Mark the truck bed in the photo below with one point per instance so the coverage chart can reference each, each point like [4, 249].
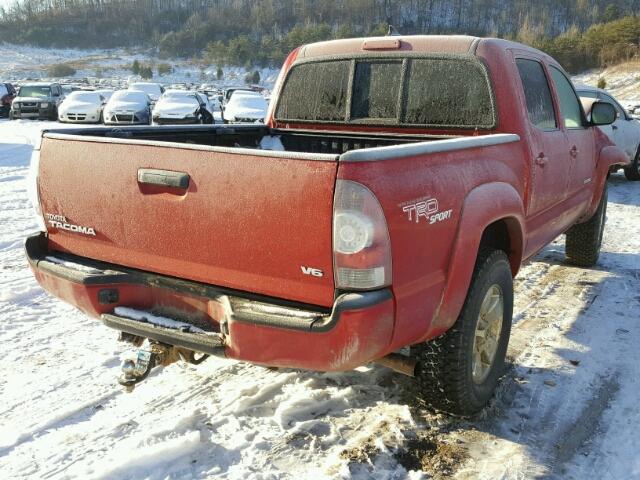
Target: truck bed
[249, 136]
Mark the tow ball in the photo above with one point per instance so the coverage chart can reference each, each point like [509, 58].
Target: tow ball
[150, 356]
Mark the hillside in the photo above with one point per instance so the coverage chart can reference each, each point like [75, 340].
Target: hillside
[262, 32]
[623, 80]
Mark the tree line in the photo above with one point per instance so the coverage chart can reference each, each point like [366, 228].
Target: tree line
[581, 33]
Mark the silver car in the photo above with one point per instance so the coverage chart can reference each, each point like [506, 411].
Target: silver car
[128, 107]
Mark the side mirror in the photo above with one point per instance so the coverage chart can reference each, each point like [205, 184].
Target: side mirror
[602, 113]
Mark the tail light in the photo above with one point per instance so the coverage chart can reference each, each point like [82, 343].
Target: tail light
[32, 188]
[361, 246]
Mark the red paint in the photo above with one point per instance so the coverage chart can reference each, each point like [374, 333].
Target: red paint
[249, 222]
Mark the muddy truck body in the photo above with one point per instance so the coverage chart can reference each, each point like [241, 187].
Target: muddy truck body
[392, 195]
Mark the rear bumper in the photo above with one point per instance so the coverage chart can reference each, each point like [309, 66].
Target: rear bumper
[357, 330]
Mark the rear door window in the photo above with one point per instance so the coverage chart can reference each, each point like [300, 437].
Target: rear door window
[537, 94]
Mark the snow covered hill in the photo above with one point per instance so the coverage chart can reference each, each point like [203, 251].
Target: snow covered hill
[32, 62]
[623, 80]
[567, 407]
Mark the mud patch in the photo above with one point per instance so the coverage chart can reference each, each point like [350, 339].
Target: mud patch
[430, 454]
[364, 453]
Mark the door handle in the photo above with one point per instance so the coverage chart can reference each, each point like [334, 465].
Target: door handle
[574, 151]
[614, 127]
[541, 160]
[163, 178]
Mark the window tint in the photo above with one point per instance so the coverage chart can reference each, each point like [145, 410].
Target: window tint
[444, 92]
[537, 94]
[569, 103]
[375, 90]
[316, 91]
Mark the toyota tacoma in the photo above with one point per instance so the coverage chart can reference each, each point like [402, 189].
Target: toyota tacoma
[379, 215]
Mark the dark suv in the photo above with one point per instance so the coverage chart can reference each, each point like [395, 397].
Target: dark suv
[37, 100]
[7, 94]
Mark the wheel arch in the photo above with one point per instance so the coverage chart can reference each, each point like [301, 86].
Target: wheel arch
[493, 216]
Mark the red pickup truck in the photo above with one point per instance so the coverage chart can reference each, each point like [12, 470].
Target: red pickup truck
[390, 198]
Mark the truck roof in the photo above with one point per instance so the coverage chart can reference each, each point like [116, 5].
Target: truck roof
[439, 44]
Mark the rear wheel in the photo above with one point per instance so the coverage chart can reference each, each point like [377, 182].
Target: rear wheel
[458, 372]
[632, 172]
[583, 242]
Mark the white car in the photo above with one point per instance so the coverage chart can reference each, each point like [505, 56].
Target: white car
[245, 107]
[128, 107]
[624, 132]
[182, 107]
[81, 107]
[154, 90]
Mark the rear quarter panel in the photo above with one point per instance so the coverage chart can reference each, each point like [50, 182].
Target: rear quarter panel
[423, 248]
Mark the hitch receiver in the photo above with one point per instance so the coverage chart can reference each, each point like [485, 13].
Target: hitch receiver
[135, 371]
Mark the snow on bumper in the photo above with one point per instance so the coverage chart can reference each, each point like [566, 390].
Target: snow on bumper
[357, 330]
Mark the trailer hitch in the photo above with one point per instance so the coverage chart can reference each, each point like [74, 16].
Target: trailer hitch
[155, 354]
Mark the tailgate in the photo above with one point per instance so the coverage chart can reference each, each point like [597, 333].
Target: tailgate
[247, 220]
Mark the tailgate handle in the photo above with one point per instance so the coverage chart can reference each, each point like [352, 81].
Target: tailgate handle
[163, 178]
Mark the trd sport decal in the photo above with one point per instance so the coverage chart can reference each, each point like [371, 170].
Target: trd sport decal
[425, 209]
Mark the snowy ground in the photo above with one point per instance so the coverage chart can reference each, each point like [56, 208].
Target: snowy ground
[567, 407]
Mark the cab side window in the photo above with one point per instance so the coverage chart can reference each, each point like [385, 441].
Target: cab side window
[537, 94]
[569, 103]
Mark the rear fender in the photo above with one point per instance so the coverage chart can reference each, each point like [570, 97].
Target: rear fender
[483, 206]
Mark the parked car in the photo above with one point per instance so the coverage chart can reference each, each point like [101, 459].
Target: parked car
[182, 107]
[245, 107]
[128, 107]
[398, 199]
[624, 132]
[37, 101]
[81, 107]
[154, 90]
[7, 94]
[69, 89]
[228, 92]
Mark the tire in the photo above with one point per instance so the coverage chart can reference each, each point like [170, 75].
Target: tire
[445, 378]
[583, 241]
[632, 172]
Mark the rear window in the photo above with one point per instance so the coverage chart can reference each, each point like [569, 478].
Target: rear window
[376, 88]
[441, 92]
[316, 92]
